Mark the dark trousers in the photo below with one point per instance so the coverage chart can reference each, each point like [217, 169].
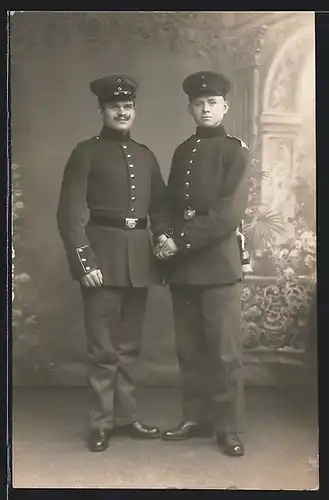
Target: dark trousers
[114, 321]
[209, 349]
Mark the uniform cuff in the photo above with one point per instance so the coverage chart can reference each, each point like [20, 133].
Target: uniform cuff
[86, 259]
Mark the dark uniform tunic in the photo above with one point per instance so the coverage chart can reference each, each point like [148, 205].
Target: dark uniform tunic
[115, 179]
[208, 191]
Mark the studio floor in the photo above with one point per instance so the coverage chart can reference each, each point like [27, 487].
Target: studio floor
[48, 448]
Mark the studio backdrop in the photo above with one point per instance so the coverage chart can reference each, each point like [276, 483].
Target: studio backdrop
[270, 59]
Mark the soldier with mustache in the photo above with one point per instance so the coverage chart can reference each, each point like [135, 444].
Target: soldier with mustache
[119, 181]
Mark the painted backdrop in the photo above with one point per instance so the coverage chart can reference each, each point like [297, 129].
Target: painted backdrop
[54, 56]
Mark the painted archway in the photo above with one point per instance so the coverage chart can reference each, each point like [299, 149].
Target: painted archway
[288, 104]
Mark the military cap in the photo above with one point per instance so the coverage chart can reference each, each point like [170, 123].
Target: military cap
[114, 87]
[206, 82]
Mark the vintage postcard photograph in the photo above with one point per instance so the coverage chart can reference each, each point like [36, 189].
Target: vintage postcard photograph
[164, 299]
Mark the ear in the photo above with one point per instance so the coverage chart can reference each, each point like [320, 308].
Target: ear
[226, 106]
[189, 108]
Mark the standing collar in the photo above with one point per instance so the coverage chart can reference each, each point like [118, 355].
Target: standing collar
[207, 132]
[114, 135]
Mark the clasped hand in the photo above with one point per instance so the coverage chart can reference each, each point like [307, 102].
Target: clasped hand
[165, 248]
[93, 279]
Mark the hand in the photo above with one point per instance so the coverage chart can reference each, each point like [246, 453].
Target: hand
[161, 241]
[166, 249]
[93, 279]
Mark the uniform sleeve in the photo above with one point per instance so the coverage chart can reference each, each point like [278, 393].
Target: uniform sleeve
[172, 170]
[172, 181]
[159, 211]
[71, 213]
[226, 213]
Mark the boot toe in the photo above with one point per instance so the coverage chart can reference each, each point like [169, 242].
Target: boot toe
[231, 444]
[187, 430]
[98, 440]
[139, 430]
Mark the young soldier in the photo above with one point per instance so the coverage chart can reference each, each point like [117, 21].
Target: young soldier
[208, 193]
[119, 181]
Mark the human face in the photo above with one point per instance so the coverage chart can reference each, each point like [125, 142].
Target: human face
[208, 110]
[119, 115]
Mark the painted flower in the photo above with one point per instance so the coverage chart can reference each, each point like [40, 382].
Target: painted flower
[22, 278]
[246, 293]
[294, 253]
[306, 237]
[298, 244]
[311, 246]
[289, 272]
[310, 261]
[283, 253]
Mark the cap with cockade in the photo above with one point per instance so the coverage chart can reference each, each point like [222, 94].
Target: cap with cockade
[114, 87]
[206, 82]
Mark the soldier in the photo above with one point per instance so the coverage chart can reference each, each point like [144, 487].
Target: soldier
[119, 181]
[208, 192]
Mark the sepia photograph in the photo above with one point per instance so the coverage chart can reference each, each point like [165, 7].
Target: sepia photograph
[164, 285]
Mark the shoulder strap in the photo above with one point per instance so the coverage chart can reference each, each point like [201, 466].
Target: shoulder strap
[242, 143]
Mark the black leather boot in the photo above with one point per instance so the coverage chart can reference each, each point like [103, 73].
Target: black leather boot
[186, 430]
[98, 439]
[231, 444]
[141, 431]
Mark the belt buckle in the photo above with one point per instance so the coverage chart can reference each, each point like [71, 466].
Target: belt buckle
[189, 213]
[131, 223]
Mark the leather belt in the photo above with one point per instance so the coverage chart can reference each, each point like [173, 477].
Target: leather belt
[126, 223]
